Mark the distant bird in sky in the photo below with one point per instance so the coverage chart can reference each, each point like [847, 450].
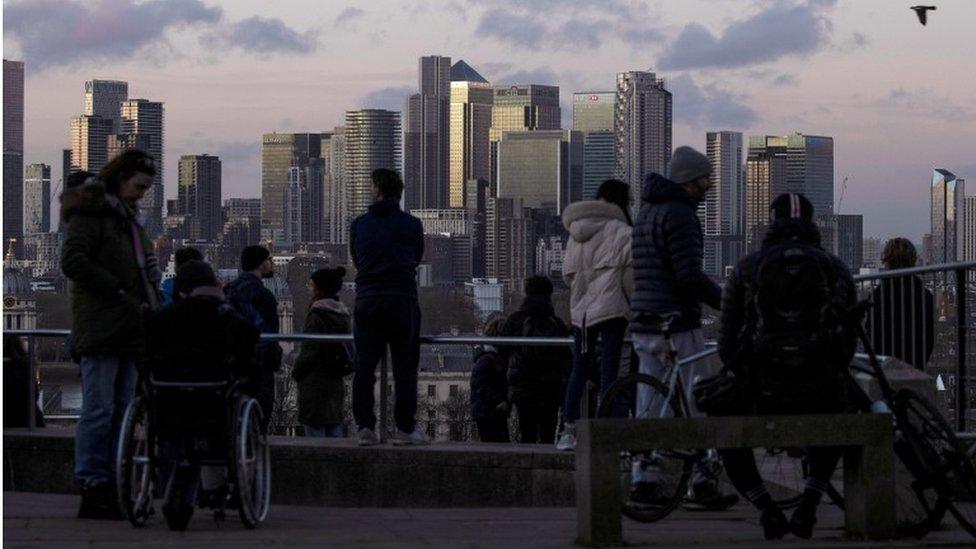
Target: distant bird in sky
[922, 12]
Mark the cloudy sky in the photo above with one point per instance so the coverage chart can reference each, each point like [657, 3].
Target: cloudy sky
[898, 98]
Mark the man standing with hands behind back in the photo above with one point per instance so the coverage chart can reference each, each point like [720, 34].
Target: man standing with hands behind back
[387, 245]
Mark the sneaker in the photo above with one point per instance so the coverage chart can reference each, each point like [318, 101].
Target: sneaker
[368, 437]
[802, 521]
[567, 440]
[774, 523]
[416, 438]
[705, 496]
[648, 493]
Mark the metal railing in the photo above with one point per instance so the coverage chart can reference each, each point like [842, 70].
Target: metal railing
[919, 316]
[958, 285]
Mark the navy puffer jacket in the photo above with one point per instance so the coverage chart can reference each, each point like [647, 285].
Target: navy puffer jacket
[667, 249]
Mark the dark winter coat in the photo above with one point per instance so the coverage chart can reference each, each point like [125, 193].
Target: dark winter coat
[667, 250]
[901, 322]
[251, 289]
[320, 366]
[489, 385]
[536, 381]
[107, 289]
[734, 344]
[387, 245]
[202, 338]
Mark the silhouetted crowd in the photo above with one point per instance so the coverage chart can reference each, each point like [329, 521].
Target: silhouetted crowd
[785, 341]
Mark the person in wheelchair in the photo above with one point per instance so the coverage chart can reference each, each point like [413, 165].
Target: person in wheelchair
[787, 337]
[201, 361]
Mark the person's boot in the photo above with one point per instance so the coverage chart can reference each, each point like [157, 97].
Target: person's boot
[100, 501]
[802, 521]
[774, 523]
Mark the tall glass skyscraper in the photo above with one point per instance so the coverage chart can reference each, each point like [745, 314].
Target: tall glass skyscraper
[470, 122]
[594, 114]
[37, 198]
[643, 127]
[426, 145]
[722, 213]
[542, 169]
[372, 142]
[527, 107]
[146, 118]
[279, 153]
[13, 153]
[779, 164]
[948, 216]
[104, 98]
[198, 194]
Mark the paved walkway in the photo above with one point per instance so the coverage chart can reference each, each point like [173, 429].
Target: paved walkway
[45, 520]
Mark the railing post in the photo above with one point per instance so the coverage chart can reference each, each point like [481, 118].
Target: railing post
[384, 397]
[961, 323]
[31, 387]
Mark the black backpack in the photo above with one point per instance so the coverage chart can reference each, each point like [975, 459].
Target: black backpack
[797, 326]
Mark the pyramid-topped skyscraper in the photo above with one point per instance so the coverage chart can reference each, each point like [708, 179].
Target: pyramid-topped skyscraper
[470, 120]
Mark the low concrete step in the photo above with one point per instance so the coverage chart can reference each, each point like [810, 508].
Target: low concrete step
[337, 473]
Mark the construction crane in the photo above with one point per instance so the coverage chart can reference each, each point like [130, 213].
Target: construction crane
[843, 190]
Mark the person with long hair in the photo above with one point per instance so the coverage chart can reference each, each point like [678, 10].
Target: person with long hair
[109, 259]
[599, 270]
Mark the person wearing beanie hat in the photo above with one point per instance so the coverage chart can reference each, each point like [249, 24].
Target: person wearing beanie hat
[667, 247]
[792, 270]
[249, 295]
[321, 365]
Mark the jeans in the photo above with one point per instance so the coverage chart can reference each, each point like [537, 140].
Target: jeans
[651, 351]
[334, 430]
[380, 322]
[108, 383]
[600, 343]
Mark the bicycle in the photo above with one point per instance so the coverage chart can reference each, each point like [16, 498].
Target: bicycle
[941, 476]
[633, 396]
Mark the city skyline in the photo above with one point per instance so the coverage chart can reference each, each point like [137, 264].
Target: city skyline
[890, 130]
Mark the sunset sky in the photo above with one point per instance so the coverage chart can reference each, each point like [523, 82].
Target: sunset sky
[898, 98]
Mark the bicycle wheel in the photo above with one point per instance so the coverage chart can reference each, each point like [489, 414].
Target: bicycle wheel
[668, 469]
[950, 469]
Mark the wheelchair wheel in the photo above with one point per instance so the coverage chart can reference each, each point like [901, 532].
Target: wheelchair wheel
[133, 464]
[632, 396]
[252, 463]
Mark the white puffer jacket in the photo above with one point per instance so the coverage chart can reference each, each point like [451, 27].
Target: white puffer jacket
[598, 266]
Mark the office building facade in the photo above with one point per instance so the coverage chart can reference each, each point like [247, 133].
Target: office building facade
[372, 142]
[947, 216]
[37, 198]
[594, 114]
[13, 154]
[543, 169]
[104, 98]
[280, 152]
[643, 127]
[199, 194]
[146, 118]
[470, 124]
[520, 107]
[426, 142]
[722, 213]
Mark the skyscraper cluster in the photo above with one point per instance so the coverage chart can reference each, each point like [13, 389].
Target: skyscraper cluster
[111, 123]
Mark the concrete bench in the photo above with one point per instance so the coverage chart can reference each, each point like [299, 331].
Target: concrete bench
[869, 488]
